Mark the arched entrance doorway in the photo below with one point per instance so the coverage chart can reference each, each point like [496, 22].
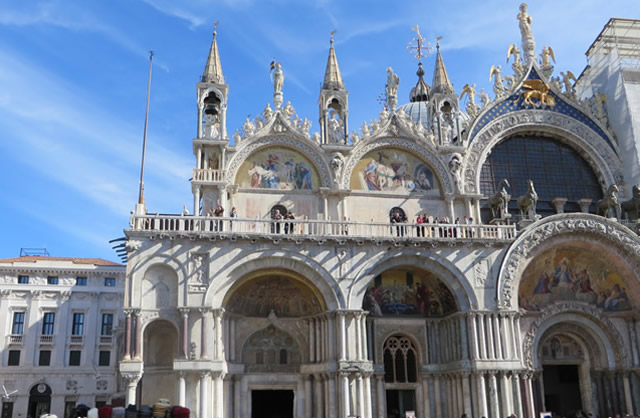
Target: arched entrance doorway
[159, 351]
[39, 400]
[272, 313]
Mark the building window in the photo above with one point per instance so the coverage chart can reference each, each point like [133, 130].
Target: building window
[78, 324]
[48, 321]
[74, 358]
[18, 323]
[45, 358]
[81, 281]
[14, 358]
[109, 282]
[23, 279]
[400, 360]
[52, 279]
[105, 358]
[107, 324]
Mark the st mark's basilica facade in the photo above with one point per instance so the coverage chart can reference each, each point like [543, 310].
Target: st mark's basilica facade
[517, 291]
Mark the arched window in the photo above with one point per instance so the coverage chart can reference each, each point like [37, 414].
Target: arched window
[397, 210]
[278, 208]
[400, 360]
[557, 170]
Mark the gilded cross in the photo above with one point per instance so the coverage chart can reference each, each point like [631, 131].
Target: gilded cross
[421, 47]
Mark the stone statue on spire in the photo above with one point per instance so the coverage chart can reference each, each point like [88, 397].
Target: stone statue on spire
[277, 77]
[528, 42]
[391, 89]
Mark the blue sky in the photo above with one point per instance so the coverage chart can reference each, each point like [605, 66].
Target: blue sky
[73, 78]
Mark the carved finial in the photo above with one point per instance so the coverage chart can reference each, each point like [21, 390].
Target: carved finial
[420, 45]
[215, 26]
[333, 32]
[438, 42]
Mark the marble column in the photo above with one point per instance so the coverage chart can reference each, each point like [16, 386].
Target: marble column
[344, 395]
[505, 391]
[381, 397]
[473, 332]
[237, 400]
[204, 333]
[355, 323]
[627, 393]
[359, 404]
[530, 395]
[497, 337]
[218, 392]
[138, 335]
[493, 395]
[489, 335]
[483, 411]
[438, 395]
[367, 397]
[332, 394]
[363, 333]
[219, 340]
[312, 340]
[517, 395]
[482, 340]
[318, 403]
[182, 390]
[204, 393]
[132, 385]
[308, 397]
[127, 335]
[343, 336]
[185, 333]
[466, 394]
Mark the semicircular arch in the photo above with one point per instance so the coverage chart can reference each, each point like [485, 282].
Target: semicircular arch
[582, 315]
[306, 268]
[309, 151]
[565, 229]
[421, 152]
[601, 157]
[446, 272]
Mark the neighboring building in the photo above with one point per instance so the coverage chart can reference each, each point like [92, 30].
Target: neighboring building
[350, 311]
[59, 318]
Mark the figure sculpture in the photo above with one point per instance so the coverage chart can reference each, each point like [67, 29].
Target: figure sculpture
[527, 203]
[517, 67]
[547, 52]
[525, 22]
[277, 77]
[567, 79]
[500, 84]
[455, 167]
[499, 201]
[608, 202]
[470, 91]
[391, 88]
[632, 206]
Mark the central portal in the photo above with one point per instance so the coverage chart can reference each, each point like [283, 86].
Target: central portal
[562, 389]
[271, 404]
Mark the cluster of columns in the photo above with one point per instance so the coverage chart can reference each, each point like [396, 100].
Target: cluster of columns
[613, 388]
[494, 335]
[132, 337]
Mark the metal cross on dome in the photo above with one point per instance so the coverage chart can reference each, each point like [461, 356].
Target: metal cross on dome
[421, 47]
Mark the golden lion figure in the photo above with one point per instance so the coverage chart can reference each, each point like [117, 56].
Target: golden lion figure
[537, 89]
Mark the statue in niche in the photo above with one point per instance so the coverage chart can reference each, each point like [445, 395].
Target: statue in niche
[455, 167]
[335, 129]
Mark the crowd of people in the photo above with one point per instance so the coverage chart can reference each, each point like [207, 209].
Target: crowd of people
[426, 226]
[161, 409]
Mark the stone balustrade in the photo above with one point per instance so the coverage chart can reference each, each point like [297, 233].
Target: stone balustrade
[15, 339]
[203, 225]
[208, 175]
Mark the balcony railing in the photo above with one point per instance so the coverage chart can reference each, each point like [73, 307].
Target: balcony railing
[76, 339]
[203, 225]
[46, 339]
[15, 339]
[207, 174]
[105, 339]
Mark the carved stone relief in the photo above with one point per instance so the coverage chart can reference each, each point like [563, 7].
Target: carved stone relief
[198, 272]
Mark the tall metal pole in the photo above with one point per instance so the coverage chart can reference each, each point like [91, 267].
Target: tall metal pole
[144, 138]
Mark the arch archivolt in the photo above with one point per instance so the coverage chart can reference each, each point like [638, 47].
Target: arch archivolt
[424, 152]
[599, 332]
[310, 151]
[440, 266]
[589, 347]
[536, 238]
[603, 159]
[314, 275]
[207, 92]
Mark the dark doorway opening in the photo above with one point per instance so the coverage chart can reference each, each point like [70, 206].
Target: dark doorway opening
[399, 402]
[7, 409]
[39, 400]
[271, 404]
[562, 389]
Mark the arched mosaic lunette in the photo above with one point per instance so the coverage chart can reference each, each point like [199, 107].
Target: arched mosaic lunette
[597, 226]
[434, 162]
[314, 155]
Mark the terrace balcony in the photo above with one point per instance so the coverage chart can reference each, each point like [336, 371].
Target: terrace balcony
[15, 339]
[207, 175]
[207, 226]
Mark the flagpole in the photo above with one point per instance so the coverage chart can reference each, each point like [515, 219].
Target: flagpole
[144, 138]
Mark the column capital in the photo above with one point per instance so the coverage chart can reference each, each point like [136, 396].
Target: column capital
[128, 311]
[204, 374]
[184, 311]
[219, 312]
[204, 310]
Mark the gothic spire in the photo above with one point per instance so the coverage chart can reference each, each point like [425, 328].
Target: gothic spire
[213, 69]
[332, 76]
[441, 83]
